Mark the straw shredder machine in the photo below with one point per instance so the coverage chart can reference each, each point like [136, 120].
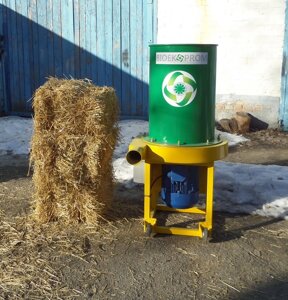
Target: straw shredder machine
[180, 149]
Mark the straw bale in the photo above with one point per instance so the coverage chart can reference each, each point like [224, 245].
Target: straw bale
[75, 134]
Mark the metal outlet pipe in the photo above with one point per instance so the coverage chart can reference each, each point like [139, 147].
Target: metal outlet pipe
[136, 152]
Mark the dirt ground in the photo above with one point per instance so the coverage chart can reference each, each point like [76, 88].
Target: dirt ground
[246, 258]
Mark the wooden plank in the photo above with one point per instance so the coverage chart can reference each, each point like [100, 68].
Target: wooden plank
[101, 42]
[1, 64]
[116, 53]
[57, 39]
[67, 38]
[108, 41]
[13, 49]
[7, 59]
[125, 58]
[87, 40]
[155, 22]
[93, 38]
[42, 37]
[145, 62]
[50, 38]
[82, 38]
[76, 14]
[149, 23]
[284, 84]
[2, 7]
[30, 41]
[133, 57]
[27, 93]
[139, 54]
[88, 62]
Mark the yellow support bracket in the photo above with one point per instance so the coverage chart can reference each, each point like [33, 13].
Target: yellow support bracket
[178, 231]
[151, 221]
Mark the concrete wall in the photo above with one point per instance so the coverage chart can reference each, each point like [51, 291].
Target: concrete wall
[250, 36]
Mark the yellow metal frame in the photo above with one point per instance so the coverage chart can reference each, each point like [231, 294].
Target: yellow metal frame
[155, 155]
[151, 194]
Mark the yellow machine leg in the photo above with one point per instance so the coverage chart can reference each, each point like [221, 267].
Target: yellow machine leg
[207, 224]
[209, 195]
[150, 195]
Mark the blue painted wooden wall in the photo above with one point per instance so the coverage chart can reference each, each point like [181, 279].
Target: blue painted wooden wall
[103, 40]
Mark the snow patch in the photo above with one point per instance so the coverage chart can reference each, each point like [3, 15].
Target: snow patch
[247, 188]
[232, 139]
[15, 135]
[123, 172]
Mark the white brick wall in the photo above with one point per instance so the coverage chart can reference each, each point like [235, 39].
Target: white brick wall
[250, 36]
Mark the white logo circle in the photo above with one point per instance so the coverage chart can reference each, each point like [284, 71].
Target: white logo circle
[179, 88]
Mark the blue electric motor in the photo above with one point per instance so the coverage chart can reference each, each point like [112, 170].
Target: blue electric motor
[180, 186]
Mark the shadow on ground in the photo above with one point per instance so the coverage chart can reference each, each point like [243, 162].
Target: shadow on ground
[265, 291]
[236, 229]
[13, 167]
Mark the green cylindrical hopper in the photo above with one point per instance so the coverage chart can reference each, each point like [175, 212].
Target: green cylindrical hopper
[182, 94]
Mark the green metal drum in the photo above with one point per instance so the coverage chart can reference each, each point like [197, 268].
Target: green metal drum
[182, 94]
